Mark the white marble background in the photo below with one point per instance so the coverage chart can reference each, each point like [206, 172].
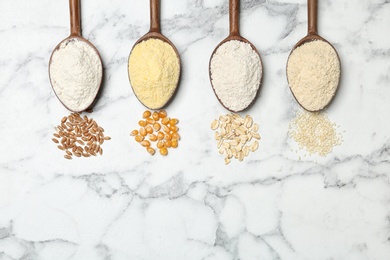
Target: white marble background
[189, 205]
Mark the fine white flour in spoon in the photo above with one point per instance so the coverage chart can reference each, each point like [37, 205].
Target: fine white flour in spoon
[76, 74]
[236, 74]
[313, 71]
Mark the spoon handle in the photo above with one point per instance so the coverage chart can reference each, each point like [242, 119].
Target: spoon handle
[312, 16]
[155, 16]
[75, 28]
[234, 17]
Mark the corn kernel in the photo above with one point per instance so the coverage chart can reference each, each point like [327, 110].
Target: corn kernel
[164, 151]
[160, 135]
[168, 137]
[173, 121]
[150, 150]
[176, 136]
[142, 131]
[145, 143]
[160, 144]
[134, 133]
[174, 128]
[155, 116]
[149, 129]
[168, 144]
[166, 129]
[142, 123]
[149, 121]
[152, 137]
[165, 120]
[139, 138]
[175, 143]
[162, 114]
[146, 114]
[156, 127]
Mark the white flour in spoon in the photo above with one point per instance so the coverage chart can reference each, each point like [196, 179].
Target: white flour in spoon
[236, 74]
[313, 72]
[75, 74]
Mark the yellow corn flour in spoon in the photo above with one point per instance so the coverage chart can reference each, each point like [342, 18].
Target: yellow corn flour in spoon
[154, 71]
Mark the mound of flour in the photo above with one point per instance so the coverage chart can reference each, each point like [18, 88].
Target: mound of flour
[236, 73]
[76, 74]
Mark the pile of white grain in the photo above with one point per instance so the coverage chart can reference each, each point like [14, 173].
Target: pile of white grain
[315, 133]
[236, 136]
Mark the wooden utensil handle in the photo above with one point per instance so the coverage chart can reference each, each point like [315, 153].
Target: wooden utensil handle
[75, 24]
[234, 17]
[312, 16]
[155, 16]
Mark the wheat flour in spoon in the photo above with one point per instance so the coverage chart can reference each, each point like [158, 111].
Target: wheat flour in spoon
[76, 74]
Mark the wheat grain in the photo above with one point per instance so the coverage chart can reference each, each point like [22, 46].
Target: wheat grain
[82, 135]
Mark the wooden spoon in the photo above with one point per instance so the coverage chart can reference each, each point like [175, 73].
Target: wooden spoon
[75, 35]
[155, 33]
[312, 35]
[234, 17]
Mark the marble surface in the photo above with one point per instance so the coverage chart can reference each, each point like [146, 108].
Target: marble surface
[189, 205]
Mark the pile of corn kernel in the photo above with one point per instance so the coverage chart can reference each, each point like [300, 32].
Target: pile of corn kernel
[237, 136]
[157, 127]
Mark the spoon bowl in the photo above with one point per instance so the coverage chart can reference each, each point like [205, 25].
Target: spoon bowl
[75, 35]
[312, 35]
[234, 35]
[155, 33]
